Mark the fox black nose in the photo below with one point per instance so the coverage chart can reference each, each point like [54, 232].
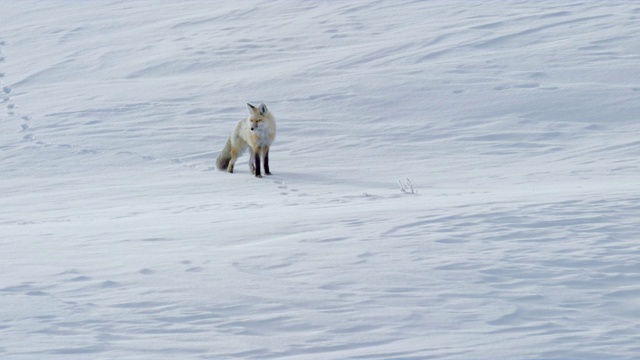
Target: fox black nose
[252, 129]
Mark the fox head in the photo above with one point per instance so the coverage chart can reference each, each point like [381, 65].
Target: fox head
[257, 115]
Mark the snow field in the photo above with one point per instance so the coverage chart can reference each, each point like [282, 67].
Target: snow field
[516, 122]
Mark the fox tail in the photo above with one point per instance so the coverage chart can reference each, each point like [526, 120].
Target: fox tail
[222, 163]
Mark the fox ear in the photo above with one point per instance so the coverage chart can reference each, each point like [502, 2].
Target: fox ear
[252, 110]
[263, 109]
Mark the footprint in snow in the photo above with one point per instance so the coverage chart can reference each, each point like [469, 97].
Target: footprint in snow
[282, 186]
[109, 284]
[146, 271]
[36, 293]
[191, 268]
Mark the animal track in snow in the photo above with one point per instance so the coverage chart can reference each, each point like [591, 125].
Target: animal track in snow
[146, 271]
[11, 107]
[284, 187]
[191, 268]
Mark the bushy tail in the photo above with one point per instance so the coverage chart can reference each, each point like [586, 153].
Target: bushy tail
[222, 163]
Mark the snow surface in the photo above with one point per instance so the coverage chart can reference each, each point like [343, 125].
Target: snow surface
[517, 123]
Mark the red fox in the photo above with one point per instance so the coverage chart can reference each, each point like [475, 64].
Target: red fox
[256, 132]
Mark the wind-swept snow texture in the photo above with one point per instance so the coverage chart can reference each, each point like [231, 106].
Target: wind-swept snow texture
[517, 123]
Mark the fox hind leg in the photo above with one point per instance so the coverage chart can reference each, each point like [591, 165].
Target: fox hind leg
[232, 162]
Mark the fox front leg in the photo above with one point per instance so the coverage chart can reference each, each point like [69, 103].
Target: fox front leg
[266, 162]
[256, 164]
